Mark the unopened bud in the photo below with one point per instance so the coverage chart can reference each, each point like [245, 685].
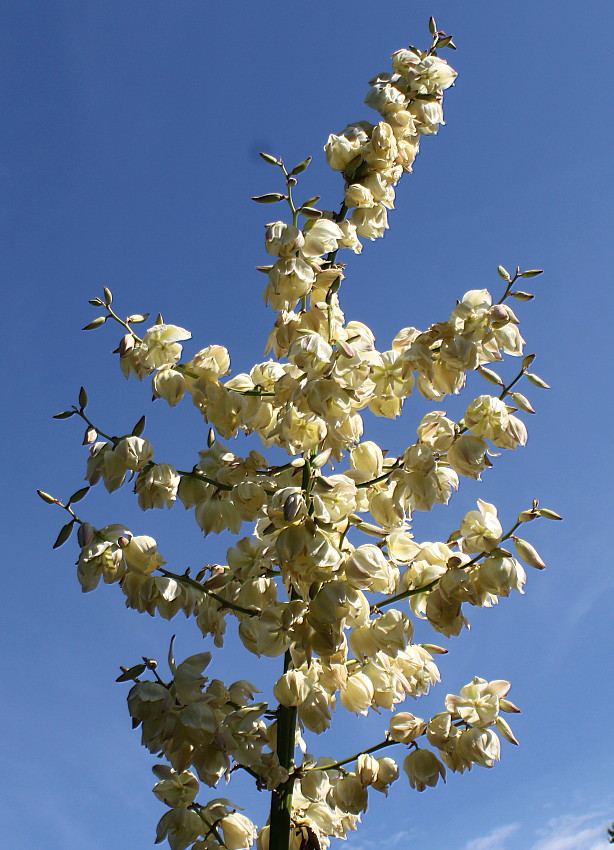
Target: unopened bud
[529, 554]
[85, 534]
[311, 212]
[523, 402]
[46, 497]
[547, 514]
[434, 649]
[270, 159]
[537, 381]
[292, 506]
[490, 375]
[526, 516]
[506, 705]
[301, 166]
[91, 435]
[211, 437]
[321, 459]
[344, 348]
[126, 345]
[269, 198]
[504, 729]
[498, 313]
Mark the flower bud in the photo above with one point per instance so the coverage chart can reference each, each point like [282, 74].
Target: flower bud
[126, 345]
[367, 769]
[85, 534]
[423, 768]
[404, 727]
[529, 554]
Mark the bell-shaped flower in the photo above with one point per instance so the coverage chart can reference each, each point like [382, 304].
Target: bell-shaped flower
[238, 831]
[358, 694]
[423, 769]
[321, 237]
[157, 486]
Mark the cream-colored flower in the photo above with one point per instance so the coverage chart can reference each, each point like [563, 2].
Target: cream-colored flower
[292, 688]
[423, 769]
[357, 195]
[321, 237]
[368, 569]
[238, 831]
[343, 148]
[388, 772]
[478, 702]
[499, 574]
[357, 694]
[487, 416]
[134, 452]
[404, 727]
[350, 795]
[468, 456]
[142, 555]
[161, 346]
[175, 789]
[169, 384]
[437, 431]
[481, 746]
[157, 486]
[283, 240]
[370, 222]
[481, 529]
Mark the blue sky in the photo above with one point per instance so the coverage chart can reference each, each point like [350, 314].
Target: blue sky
[127, 158]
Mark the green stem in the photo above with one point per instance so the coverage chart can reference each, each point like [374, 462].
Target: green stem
[506, 389]
[196, 474]
[252, 612]
[373, 749]
[89, 422]
[251, 392]
[280, 823]
[114, 315]
[508, 288]
[382, 477]
[406, 594]
[416, 590]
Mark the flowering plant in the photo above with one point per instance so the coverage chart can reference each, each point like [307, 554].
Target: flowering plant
[331, 576]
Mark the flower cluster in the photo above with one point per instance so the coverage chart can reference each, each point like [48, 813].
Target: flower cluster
[331, 550]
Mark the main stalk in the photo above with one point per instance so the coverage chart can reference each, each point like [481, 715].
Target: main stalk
[281, 798]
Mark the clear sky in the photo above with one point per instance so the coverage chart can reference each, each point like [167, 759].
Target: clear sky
[127, 157]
